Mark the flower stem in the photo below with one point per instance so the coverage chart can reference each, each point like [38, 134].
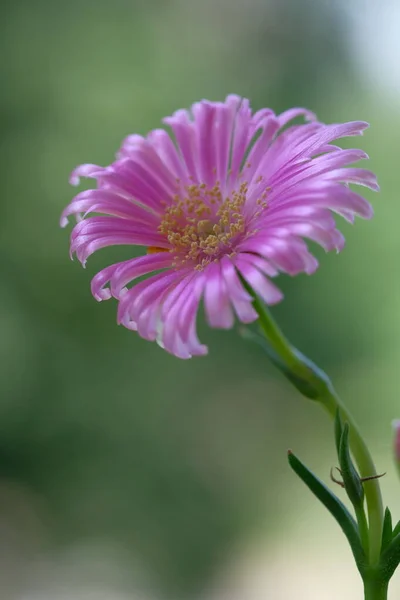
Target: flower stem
[375, 589]
[362, 527]
[317, 380]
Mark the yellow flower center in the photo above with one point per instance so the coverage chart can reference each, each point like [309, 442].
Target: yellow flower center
[200, 224]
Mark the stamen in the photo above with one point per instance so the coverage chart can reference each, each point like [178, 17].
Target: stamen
[200, 224]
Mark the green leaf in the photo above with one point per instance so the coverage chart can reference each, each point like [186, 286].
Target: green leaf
[390, 558]
[396, 530]
[334, 506]
[387, 534]
[351, 479]
[338, 430]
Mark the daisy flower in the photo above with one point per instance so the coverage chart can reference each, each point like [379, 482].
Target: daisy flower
[229, 196]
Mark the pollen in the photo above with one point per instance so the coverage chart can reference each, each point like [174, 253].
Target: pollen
[201, 225]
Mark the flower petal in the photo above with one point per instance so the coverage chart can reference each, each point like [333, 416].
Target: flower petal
[185, 134]
[241, 301]
[258, 282]
[216, 299]
[130, 270]
[86, 170]
[110, 203]
[293, 113]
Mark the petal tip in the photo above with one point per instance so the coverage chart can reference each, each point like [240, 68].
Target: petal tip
[74, 179]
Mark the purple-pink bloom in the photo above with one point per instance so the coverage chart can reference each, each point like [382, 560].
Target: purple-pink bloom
[230, 197]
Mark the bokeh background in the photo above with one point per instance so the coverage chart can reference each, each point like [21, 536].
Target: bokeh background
[126, 473]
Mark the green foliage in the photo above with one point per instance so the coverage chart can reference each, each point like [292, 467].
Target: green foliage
[334, 506]
[387, 533]
[351, 479]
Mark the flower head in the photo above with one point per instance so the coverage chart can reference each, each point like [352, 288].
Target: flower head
[229, 198]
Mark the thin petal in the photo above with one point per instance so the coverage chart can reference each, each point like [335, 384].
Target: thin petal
[240, 140]
[224, 136]
[86, 170]
[165, 148]
[109, 203]
[258, 282]
[134, 300]
[143, 154]
[358, 176]
[205, 116]
[293, 113]
[100, 280]
[130, 270]
[269, 128]
[184, 131]
[216, 300]
[241, 301]
[189, 310]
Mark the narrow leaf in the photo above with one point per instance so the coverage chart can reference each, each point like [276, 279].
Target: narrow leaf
[338, 430]
[334, 506]
[387, 534]
[351, 479]
[396, 530]
[390, 558]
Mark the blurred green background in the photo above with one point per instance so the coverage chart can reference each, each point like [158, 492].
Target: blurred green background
[125, 472]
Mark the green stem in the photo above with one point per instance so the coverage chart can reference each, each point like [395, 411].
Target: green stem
[362, 527]
[302, 368]
[375, 589]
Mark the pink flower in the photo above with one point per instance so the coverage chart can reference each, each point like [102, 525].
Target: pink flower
[230, 198]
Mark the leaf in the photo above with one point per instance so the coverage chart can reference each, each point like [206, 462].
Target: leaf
[396, 530]
[351, 478]
[390, 558]
[334, 506]
[387, 534]
[338, 430]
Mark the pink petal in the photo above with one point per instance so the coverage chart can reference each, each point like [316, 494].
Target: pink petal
[130, 270]
[135, 300]
[188, 314]
[185, 134]
[240, 140]
[96, 226]
[358, 176]
[142, 153]
[205, 116]
[293, 113]
[165, 148]
[260, 262]
[282, 252]
[109, 203]
[258, 282]
[86, 170]
[171, 332]
[216, 300]
[269, 127]
[100, 280]
[224, 137]
[241, 301]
